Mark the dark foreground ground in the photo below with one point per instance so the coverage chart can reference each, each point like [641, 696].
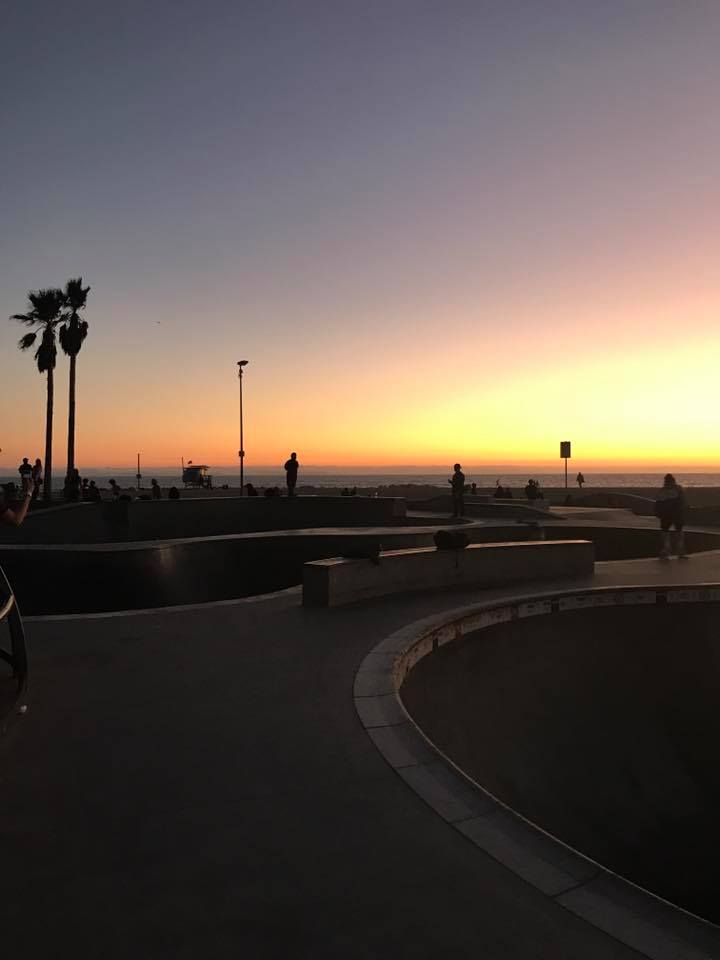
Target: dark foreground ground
[600, 726]
[198, 785]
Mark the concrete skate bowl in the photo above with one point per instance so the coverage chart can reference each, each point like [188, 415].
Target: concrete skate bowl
[594, 716]
[54, 578]
[101, 577]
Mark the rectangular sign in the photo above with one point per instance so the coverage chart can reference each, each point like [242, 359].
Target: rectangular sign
[565, 449]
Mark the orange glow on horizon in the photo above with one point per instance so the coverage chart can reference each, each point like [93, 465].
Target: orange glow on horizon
[628, 409]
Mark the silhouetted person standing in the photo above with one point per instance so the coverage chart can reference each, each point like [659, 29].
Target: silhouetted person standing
[670, 510]
[457, 483]
[37, 477]
[155, 490]
[291, 469]
[25, 471]
[580, 480]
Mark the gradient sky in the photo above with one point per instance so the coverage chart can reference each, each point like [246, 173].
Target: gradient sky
[438, 230]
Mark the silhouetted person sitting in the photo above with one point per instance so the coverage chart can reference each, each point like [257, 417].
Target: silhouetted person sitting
[173, 493]
[155, 490]
[457, 483]
[291, 469]
[13, 512]
[272, 491]
[499, 491]
[72, 489]
[115, 490]
[93, 494]
[251, 491]
[533, 491]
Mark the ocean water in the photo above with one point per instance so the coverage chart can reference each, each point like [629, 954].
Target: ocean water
[168, 476]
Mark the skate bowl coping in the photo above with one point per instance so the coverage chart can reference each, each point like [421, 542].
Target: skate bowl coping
[520, 683]
[337, 581]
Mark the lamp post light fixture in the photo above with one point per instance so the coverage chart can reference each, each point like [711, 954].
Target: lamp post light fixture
[241, 451]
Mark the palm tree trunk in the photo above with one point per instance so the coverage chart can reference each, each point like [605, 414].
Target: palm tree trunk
[71, 419]
[47, 487]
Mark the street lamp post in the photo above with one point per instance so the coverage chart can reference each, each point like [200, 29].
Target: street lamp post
[241, 451]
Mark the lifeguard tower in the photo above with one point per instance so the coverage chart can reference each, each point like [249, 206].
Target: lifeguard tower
[196, 475]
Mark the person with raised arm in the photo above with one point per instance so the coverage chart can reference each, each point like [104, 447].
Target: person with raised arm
[13, 512]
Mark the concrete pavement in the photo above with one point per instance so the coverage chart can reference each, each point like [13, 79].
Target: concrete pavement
[197, 783]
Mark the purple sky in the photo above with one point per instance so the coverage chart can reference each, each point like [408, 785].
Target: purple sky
[368, 199]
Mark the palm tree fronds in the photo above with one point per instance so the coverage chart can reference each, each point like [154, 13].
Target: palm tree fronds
[75, 295]
[24, 343]
[72, 334]
[46, 353]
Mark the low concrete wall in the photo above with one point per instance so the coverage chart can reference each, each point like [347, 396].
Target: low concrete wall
[90, 578]
[487, 507]
[108, 522]
[334, 582]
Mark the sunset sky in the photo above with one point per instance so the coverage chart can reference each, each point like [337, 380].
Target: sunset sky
[438, 230]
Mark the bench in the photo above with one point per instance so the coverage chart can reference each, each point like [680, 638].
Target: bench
[340, 580]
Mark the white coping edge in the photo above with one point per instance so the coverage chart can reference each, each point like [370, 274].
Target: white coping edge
[176, 608]
[630, 914]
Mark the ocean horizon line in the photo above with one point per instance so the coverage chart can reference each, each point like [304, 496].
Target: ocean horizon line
[390, 469]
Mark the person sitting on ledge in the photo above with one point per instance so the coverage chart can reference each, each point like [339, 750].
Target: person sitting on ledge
[93, 493]
[173, 493]
[11, 512]
[251, 491]
[115, 489]
[72, 489]
[155, 490]
[533, 491]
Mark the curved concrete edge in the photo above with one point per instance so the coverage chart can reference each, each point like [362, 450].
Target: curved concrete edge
[632, 915]
[288, 592]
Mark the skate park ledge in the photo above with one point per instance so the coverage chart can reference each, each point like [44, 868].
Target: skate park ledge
[342, 580]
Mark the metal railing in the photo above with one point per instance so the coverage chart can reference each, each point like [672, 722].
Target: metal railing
[16, 656]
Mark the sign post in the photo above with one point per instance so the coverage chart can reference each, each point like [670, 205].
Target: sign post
[565, 455]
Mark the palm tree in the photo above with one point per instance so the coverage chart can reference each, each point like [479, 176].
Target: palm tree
[72, 334]
[44, 314]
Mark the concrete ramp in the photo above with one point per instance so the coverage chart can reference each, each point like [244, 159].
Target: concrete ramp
[599, 725]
